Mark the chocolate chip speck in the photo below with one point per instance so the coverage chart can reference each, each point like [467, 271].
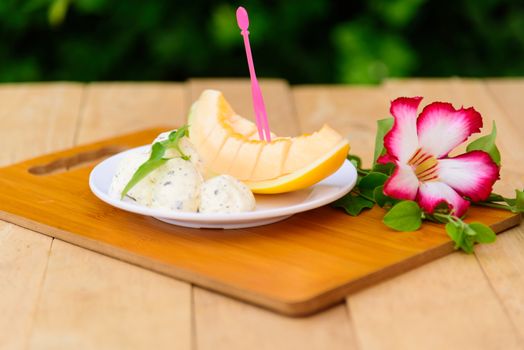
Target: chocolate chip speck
[167, 183]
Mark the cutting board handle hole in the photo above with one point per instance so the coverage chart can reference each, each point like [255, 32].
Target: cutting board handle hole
[62, 165]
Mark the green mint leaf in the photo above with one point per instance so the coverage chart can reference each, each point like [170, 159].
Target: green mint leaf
[371, 181]
[404, 216]
[156, 159]
[174, 138]
[382, 200]
[487, 144]
[483, 233]
[355, 160]
[142, 172]
[353, 204]
[383, 126]
[157, 151]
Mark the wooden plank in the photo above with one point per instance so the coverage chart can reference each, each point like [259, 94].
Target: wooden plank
[503, 262]
[90, 301]
[23, 259]
[98, 302]
[399, 313]
[35, 118]
[351, 111]
[223, 323]
[508, 94]
[118, 108]
[447, 304]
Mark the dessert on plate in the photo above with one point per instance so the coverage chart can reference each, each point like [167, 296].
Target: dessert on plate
[216, 163]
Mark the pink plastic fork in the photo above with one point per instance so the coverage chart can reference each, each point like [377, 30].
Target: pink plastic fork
[258, 101]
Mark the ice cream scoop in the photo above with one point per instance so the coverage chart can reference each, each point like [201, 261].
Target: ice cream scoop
[225, 194]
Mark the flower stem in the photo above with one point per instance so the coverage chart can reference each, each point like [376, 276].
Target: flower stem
[493, 205]
[362, 172]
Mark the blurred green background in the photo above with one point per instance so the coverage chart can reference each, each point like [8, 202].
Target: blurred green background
[310, 41]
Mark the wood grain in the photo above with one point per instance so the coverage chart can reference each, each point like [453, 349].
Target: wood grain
[352, 111]
[103, 303]
[40, 118]
[35, 118]
[117, 108]
[224, 323]
[90, 301]
[508, 95]
[503, 262]
[23, 260]
[447, 304]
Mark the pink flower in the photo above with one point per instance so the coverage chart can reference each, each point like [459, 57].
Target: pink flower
[419, 147]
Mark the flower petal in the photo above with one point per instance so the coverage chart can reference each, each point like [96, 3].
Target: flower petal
[433, 193]
[402, 184]
[441, 127]
[385, 159]
[402, 141]
[471, 174]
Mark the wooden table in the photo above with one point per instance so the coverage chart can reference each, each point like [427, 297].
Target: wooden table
[54, 295]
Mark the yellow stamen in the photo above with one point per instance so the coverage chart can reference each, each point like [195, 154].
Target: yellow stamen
[424, 165]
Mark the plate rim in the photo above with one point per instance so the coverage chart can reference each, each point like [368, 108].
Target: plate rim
[217, 217]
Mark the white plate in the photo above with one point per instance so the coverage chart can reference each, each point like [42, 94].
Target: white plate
[269, 209]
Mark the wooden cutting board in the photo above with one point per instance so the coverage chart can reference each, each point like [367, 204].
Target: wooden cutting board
[295, 267]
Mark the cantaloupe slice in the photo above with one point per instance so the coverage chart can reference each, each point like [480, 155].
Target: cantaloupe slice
[229, 144]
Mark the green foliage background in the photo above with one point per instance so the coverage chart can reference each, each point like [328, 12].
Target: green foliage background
[309, 41]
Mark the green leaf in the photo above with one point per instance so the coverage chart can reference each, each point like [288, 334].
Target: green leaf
[57, 12]
[355, 160]
[157, 151]
[455, 232]
[483, 233]
[173, 140]
[467, 244]
[155, 161]
[384, 168]
[383, 127]
[493, 197]
[518, 207]
[404, 216]
[382, 200]
[371, 181]
[353, 204]
[466, 235]
[487, 144]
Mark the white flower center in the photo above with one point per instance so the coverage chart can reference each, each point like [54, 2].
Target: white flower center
[424, 165]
